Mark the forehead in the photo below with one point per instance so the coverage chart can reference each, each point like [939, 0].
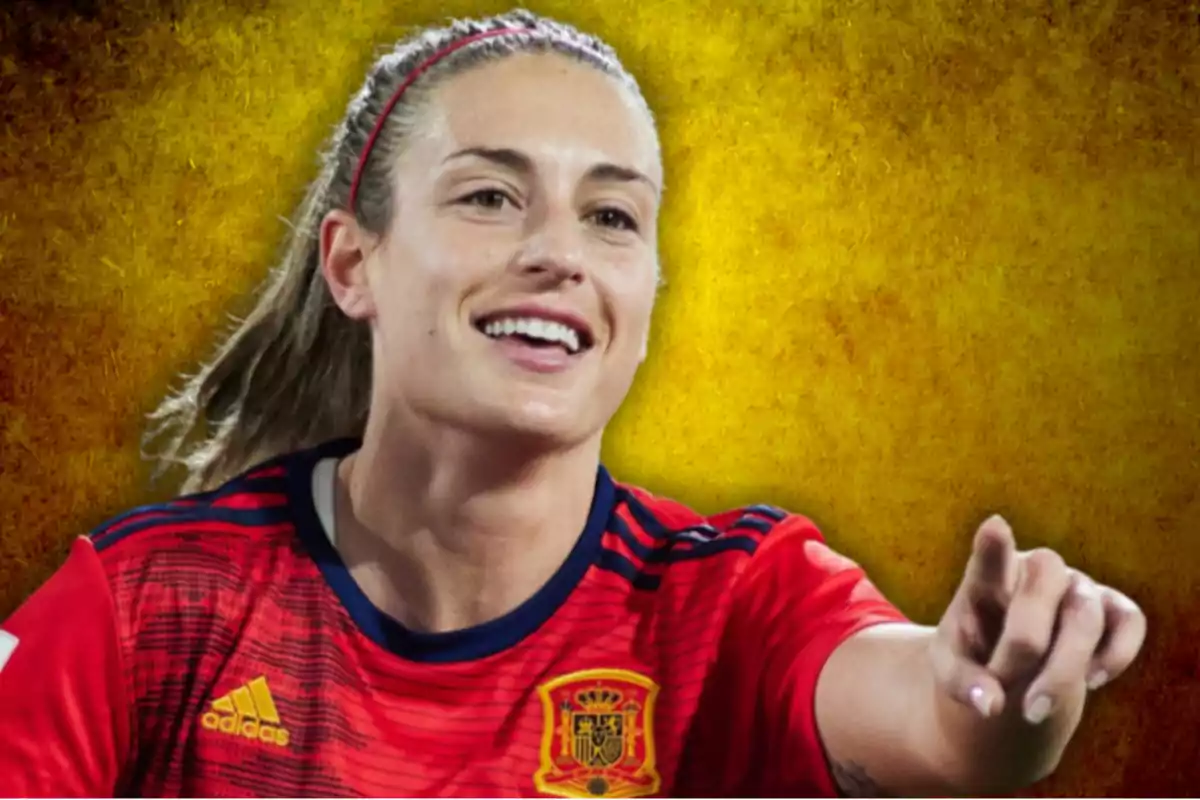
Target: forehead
[547, 106]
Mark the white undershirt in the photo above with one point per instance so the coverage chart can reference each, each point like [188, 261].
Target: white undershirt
[324, 478]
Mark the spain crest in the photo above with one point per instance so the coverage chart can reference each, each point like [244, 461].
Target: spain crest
[598, 735]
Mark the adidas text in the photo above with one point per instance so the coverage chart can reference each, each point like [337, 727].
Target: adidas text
[247, 728]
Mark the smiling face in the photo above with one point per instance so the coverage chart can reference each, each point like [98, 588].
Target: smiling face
[513, 288]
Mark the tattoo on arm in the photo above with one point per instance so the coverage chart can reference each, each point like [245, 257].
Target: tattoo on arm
[853, 781]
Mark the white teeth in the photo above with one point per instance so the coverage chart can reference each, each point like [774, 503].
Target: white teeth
[543, 329]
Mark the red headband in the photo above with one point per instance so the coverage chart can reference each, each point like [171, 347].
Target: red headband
[417, 72]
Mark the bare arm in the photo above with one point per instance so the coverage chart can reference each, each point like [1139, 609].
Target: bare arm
[889, 730]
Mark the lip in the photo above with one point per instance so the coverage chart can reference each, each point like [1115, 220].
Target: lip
[544, 360]
[569, 318]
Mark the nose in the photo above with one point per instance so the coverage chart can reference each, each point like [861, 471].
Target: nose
[552, 251]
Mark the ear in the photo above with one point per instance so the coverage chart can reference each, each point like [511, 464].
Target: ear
[345, 246]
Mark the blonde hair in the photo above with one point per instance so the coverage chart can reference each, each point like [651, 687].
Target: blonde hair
[296, 371]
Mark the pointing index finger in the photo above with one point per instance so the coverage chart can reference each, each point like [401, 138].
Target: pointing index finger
[992, 570]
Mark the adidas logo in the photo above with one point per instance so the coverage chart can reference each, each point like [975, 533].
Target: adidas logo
[248, 711]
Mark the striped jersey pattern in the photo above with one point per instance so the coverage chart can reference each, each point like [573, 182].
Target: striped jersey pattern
[249, 663]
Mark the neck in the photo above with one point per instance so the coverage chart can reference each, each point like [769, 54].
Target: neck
[444, 529]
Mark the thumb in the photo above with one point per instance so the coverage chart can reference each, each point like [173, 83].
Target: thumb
[965, 680]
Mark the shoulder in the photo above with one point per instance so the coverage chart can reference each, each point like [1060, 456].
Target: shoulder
[201, 551]
[667, 516]
[652, 536]
[246, 509]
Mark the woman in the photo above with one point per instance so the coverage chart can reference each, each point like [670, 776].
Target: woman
[406, 571]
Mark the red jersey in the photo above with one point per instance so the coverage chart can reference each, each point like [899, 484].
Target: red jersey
[217, 645]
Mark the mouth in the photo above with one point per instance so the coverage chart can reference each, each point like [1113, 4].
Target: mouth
[542, 329]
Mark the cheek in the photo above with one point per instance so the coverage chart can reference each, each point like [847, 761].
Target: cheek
[638, 301]
[413, 280]
[633, 322]
[441, 257]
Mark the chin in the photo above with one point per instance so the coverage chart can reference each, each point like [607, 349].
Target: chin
[538, 420]
[517, 415]
[535, 423]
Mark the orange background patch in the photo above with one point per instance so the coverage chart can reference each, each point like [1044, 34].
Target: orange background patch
[926, 262]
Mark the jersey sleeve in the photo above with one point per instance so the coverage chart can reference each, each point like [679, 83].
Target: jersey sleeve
[756, 731]
[64, 719]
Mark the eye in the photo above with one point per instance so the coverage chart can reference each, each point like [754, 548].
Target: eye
[614, 218]
[492, 199]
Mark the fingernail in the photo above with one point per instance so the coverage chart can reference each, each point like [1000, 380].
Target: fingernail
[979, 699]
[1037, 711]
[1097, 679]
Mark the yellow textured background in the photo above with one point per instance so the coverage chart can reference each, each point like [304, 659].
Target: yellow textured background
[926, 261]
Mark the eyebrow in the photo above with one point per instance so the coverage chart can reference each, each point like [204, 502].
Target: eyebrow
[518, 162]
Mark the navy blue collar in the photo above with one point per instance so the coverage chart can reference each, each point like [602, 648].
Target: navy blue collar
[468, 644]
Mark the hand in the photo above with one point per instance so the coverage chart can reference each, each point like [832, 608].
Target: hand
[1026, 632]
